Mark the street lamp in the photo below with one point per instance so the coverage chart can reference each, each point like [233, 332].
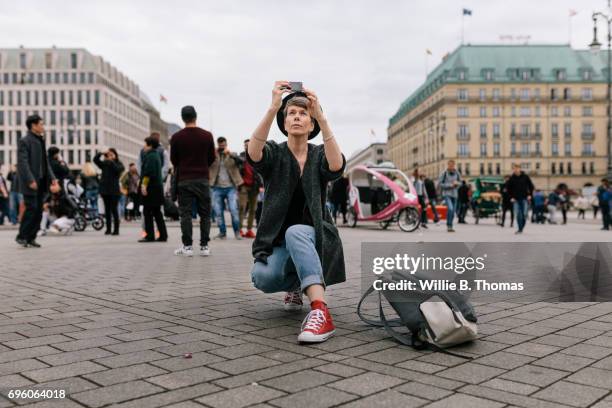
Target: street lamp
[596, 46]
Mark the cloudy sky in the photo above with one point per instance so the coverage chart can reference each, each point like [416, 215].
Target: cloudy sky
[363, 58]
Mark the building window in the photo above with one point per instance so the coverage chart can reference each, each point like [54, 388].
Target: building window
[496, 130]
[587, 129]
[462, 94]
[489, 75]
[525, 75]
[512, 93]
[513, 111]
[536, 94]
[48, 60]
[569, 168]
[379, 151]
[497, 169]
[462, 112]
[496, 94]
[461, 75]
[587, 94]
[560, 75]
[464, 131]
[73, 60]
[537, 148]
[464, 150]
[23, 60]
[482, 93]
[483, 149]
[554, 111]
[553, 94]
[567, 129]
[525, 94]
[568, 149]
[553, 168]
[587, 149]
[525, 130]
[525, 149]
[467, 169]
[537, 111]
[555, 149]
[496, 111]
[525, 111]
[584, 170]
[592, 167]
[513, 148]
[567, 94]
[554, 129]
[483, 130]
[567, 111]
[483, 112]
[481, 169]
[496, 150]
[587, 111]
[561, 168]
[586, 75]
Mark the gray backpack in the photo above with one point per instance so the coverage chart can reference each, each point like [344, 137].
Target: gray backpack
[436, 318]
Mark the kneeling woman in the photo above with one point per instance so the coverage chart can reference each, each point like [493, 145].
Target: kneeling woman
[297, 248]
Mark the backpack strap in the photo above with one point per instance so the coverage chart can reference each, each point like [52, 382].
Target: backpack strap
[377, 323]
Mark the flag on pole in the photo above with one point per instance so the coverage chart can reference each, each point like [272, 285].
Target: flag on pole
[467, 12]
[428, 51]
[572, 12]
[163, 99]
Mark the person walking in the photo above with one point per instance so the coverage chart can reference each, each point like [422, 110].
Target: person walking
[421, 191]
[192, 151]
[582, 204]
[152, 191]
[226, 179]
[539, 204]
[432, 195]
[506, 204]
[339, 198]
[603, 195]
[594, 202]
[4, 198]
[248, 194]
[552, 204]
[91, 185]
[112, 169]
[463, 201]
[15, 197]
[449, 181]
[36, 179]
[130, 182]
[564, 202]
[520, 189]
[297, 248]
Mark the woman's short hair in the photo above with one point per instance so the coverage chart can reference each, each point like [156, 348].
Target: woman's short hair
[112, 149]
[300, 101]
[153, 142]
[89, 170]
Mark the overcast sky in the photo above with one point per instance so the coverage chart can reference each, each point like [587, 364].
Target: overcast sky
[363, 58]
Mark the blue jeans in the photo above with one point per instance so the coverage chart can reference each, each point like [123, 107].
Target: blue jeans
[520, 209]
[294, 264]
[219, 196]
[92, 199]
[451, 205]
[15, 199]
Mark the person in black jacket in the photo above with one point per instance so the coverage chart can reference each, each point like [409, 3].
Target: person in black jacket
[432, 196]
[112, 169]
[506, 204]
[36, 178]
[58, 165]
[339, 197]
[520, 189]
[151, 188]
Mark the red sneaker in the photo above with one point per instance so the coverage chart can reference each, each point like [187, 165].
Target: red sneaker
[317, 326]
[249, 234]
[293, 301]
[241, 234]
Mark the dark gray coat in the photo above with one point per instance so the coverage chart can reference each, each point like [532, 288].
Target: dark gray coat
[32, 164]
[281, 172]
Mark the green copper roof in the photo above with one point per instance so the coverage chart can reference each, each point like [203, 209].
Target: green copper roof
[507, 64]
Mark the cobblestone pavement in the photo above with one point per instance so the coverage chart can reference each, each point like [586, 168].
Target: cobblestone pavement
[110, 320]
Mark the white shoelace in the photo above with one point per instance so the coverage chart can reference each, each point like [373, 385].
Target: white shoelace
[294, 297]
[314, 320]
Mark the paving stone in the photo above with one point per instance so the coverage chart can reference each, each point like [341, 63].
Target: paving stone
[564, 362]
[420, 366]
[139, 345]
[530, 374]
[508, 397]
[37, 341]
[124, 374]
[320, 397]
[186, 377]
[113, 394]
[471, 373]
[588, 351]
[63, 371]
[240, 397]
[86, 343]
[464, 401]
[21, 354]
[571, 394]
[510, 386]
[300, 380]
[387, 399]
[182, 363]
[423, 391]
[392, 355]
[340, 370]
[367, 383]
[244, 364]
[241, 350]
[138, 357]
[533, 349]
[593, 376]
[20, 366]
[74, 356]
[505, 360]
[171, 397]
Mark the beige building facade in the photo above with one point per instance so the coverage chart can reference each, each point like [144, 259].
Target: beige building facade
[488, 107]
[86, 102]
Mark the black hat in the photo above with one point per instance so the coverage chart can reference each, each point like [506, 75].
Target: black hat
[280, 116]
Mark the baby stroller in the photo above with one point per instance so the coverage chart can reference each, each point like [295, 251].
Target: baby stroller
[83, 214]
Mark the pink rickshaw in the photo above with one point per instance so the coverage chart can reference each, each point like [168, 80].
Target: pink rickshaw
[383, 194]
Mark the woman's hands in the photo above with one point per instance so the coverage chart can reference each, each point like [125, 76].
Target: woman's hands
[315, 108]
[143, 190]
[280, 87]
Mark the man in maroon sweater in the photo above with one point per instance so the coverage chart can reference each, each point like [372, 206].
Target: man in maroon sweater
[192, 151]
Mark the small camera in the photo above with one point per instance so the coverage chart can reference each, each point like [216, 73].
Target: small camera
[295, 86]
